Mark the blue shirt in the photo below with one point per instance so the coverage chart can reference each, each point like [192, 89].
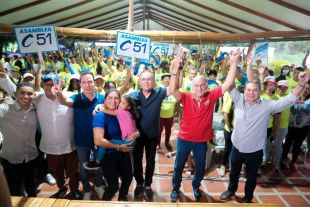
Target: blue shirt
[150, 111]
[83, 118]
[112, 130]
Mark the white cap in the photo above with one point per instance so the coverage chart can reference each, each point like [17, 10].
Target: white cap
[283, 83]
[26, 75]
[75, 76]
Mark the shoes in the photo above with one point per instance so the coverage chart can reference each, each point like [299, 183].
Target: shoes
[87, 196]
[245, 200]
[148, 192]
[77, 195]
[264, 164]
[138, 191]
[61, 193]
[168, 146]
[227, 195]
[99, 190]
[91, 165]
[197, 194]
[50, 179]
[123, 198]
[222, 171]
[174, 195]
[284, 165]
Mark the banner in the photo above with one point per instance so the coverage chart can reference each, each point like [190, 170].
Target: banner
[261, 53]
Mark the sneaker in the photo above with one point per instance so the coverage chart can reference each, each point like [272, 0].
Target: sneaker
[197, 194]
[87, 196]
[222, 171]
[99, 190]
[91, 165]
[60, 194]
[264, 164]
[123, 198]
[148, 192]
[245, 200]
[49, 178]
[174, 195]
[227, 195]
[138, 191]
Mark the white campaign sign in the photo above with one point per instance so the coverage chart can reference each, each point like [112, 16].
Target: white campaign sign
[129, 45]
[36, 38]
[161, 48]
[261, 53]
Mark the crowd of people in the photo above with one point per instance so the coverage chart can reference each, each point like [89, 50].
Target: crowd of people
[102, 113]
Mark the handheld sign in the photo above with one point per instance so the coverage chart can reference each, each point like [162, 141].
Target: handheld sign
[261, 53]
[36, 38]
[129, 45]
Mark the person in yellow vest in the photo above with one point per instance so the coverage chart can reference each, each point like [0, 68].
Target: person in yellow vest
[88, 63]
[268, 93]
[282, 87]
[167, 112]
[75, 65]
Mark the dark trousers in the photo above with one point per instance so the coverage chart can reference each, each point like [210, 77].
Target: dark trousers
[252, 162]
[228, 146]
[167, 124]
[295, 137]
[65, 166]
[21, 174]
[149, 144]
[115, 165]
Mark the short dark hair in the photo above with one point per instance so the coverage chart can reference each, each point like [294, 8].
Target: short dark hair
[256, 81]
[111, 91]
[86, 73]
[24, 84]
[301, 69]
[212, 72]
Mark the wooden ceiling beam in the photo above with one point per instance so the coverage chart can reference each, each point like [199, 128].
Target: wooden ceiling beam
[85, 12]
[169, 26]
[186, 24]
[54, 12]
[192, 37]
[102, 20]
[105, 26]
[190, 17]
[227, 15]
[254, 12]
[291, 7]
[164, 21]
[204, 16]
[22, 7]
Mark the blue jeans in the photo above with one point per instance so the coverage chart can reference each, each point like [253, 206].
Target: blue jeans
[252, 162]
[83, 156]
[182, 151]
[99, 154]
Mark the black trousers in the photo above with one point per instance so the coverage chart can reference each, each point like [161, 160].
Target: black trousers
[21, 174]
[228, 145]
[149, 144]
[115, 165]
[252, 162]
[295, 137]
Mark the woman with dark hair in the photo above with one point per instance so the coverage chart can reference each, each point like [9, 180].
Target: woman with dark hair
[116, 162]
[298, 128]
[285, 72]
[74, 84]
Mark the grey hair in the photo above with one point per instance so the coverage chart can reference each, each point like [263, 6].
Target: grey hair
[146, 71]
[256, 81]
[200, 77]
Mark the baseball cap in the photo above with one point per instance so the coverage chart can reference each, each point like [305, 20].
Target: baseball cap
[283, 83]
[75, 76]
[99, 77]
[51, 76]
[271, 79]
[26, 75]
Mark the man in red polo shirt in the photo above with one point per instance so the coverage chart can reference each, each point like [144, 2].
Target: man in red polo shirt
[196, 125]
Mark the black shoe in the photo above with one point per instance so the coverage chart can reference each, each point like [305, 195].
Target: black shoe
[60, 194]
[91, 165]
[168, 146]
[138, 191]
[77, 195]
[148, 192]
[245, 200]
[197, 194]
[227, 195]
[123, 198]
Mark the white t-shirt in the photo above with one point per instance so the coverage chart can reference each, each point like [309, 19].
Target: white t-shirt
[8, 66]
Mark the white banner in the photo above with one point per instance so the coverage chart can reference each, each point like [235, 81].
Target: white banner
[129, 45]
[36, 38]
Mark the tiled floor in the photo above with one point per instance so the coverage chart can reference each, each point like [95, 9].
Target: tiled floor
[286, 187]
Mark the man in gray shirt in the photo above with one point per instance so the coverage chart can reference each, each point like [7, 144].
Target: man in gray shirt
[248, 137]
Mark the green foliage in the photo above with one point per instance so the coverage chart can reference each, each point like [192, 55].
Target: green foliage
[276, 65]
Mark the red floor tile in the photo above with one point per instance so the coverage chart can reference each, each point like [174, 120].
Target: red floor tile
[270, 199]
[215, 187]
[295, 201]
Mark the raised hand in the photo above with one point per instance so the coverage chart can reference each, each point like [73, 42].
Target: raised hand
[175, 65]
[57, 87]
[303, 78]
[2, 72]
[234, 58]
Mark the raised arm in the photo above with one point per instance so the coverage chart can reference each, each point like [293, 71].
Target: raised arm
[303, 78]
[230, 79]
[61, 98]
[6, 83]
[304, 61]
[175, 74]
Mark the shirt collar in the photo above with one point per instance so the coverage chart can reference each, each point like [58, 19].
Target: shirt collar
[17, 107]
[83, 96]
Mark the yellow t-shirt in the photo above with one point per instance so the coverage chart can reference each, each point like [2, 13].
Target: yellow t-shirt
[227, 104]
[76, 67]
[264, 96]
[285, 117]
[167, 107]
[65, 76]
[187, 85]
[91, 68]
[291, 84]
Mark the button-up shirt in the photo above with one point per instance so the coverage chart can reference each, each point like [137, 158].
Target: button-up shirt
[251, 121]
[18, 127]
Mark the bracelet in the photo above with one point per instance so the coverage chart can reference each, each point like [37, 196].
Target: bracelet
[117, 148]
